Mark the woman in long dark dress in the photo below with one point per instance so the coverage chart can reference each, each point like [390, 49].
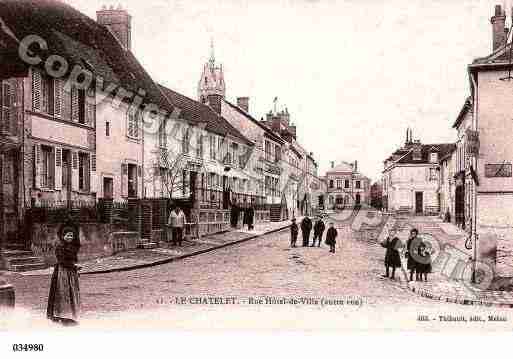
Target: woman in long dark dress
[424, 262]
[392, 257]
[64, 298]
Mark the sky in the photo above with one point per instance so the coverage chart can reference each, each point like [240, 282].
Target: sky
[353, 74]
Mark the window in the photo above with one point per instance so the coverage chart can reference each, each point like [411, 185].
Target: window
[432, 174]
[132, 180]
[47, 95]
[5, 106]
[268, 151]
[83, 172]
[346, 184]
[133, 124]
[199, 146]
[107, 129]
[82, 106]
[212, 146]
[185, 141]
[417, 154]
[433, 157]
[162, 133]
[48, 167]
[358, 184]
[339, 183]
[277, 153]
[220, 143]
[235, 152]
[331, 183]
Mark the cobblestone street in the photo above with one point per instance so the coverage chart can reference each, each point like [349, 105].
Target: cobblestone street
[265, 266]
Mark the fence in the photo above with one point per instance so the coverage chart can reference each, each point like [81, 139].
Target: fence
[103, 211]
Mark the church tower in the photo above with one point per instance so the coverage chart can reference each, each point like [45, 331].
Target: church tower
[212, 79]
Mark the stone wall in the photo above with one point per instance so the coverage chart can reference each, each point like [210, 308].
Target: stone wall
[97, 240]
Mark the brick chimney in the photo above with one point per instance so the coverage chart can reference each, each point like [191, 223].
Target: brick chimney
[214, 101]
[498, 21]
[243, 103]
[119, 23]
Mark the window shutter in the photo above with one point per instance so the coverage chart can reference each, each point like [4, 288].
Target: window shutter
[74, 104]
[5, 106]
[124, 180]
[90, 108]
[74, 171]
[58, 98]
[14, 106]
[66, 103]
[58, 168]
[36, 90]
[95, 185]
[37, 166]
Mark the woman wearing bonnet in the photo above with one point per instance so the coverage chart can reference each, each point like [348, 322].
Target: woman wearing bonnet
[64, 298]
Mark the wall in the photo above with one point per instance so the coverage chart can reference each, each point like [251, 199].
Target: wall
[118, 148]
[95, 239]
[405, 181]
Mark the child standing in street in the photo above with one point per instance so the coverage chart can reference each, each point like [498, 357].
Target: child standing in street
[331, 237]
[293, 233]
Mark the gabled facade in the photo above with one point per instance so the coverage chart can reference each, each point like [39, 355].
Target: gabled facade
[411, 177]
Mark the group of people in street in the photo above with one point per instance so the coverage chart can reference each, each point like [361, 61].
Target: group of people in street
[417, 254]
[319, 228]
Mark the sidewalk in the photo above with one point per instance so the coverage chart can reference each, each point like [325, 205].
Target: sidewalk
[460, 290]
[141, 258]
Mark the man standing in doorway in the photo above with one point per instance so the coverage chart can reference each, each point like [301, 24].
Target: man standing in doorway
[177, 222]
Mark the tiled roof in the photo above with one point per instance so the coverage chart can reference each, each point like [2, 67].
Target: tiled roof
[196, 112]
[441, 148]
[80, 40]
[267, 130]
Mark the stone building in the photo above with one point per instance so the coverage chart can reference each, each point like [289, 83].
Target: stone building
[346, 186]
[411, 177]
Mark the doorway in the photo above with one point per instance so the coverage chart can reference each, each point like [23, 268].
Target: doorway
[459, 206]
[108, 188]
[419, 202]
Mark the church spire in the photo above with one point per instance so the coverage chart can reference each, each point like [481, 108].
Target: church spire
[212, 59]
[212, 78]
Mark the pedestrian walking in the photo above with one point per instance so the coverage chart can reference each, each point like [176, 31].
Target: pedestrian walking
[318, 231]
[177, 222]
[249, 215]
[424, 260]
[64, 297]
[306, 228]
[234, 214]
[293, 233]
[331, 237]
[411, 254]
[392, 256]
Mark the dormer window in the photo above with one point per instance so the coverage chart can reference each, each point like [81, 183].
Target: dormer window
[417, 154]
[433, 157]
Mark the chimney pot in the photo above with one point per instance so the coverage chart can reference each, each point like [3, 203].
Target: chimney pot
[243, 103]
[498, 22]
[214, 101]
[119, 23]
